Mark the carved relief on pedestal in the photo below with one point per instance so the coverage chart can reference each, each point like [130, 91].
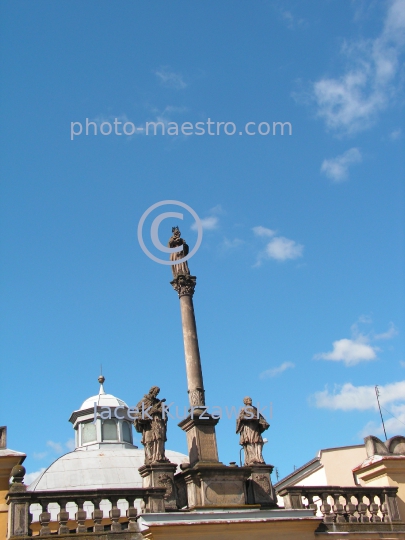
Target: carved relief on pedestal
[263, 481]
[164, 480]
[224, 492]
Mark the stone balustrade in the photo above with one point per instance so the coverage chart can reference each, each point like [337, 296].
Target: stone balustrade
[345, 504]
[82, 520]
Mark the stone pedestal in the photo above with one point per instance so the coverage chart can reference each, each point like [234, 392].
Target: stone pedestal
[160, 475]
[18, 514]
[260, 488]
[214, 485]
[201, 438]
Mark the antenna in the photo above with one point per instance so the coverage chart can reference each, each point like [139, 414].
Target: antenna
[277, 473]
[377, 393]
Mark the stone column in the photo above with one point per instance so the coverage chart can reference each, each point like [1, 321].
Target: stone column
[201, 438]
[185, 286]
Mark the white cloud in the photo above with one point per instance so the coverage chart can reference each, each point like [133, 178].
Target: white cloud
[351, 102]
[337, 168]
[170, 78]
[397, 424]
[393, 426]
[349, 351]
[56, 447]
[40, 455]
[281, 249]
[358, 348]
[209, 223]
[30, 477]
[402, 363]
[276, 371]
[263, 231]
[217, 210]
[70, 444]
[292, 21]
[389, 334]
[349, 397]
[231, 244]
[396, 134]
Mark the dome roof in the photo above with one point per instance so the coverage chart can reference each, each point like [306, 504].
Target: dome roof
[97, 469]
[102, 400]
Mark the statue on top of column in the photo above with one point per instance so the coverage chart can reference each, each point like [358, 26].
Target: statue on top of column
[180, 269]
[251, 424]
[152, 423]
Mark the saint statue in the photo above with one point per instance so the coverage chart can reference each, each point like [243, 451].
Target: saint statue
[152, 423]
[180, 269]
[251, 424]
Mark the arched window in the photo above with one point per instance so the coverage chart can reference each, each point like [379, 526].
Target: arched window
[88, 432]
[126, 432]
[109, 430]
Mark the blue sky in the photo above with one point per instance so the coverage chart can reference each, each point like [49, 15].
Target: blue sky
[300, 292]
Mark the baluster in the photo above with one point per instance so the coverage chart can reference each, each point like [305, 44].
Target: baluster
[350, 509]
[80, 516]
[326, 508]
[362, 509]
[338, 508]
[97, 516]
[63, 517]
[44, 519]
[115, 514]
[384, 511]
[374, 507]
[311, 504]
[132, 514]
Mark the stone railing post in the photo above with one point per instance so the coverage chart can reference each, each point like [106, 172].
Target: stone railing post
[292, 498]
[18, 499]
[154, 503]
[392, 505]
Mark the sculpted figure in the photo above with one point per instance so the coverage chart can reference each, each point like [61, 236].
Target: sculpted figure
[152, 424]
[250, 425]
[177, 241]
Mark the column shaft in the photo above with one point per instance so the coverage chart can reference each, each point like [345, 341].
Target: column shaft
[191, 351]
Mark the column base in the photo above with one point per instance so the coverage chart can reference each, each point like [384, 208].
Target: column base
[201, 438]
[212, 485]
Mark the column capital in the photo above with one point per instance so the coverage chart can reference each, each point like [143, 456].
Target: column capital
[184, 285]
